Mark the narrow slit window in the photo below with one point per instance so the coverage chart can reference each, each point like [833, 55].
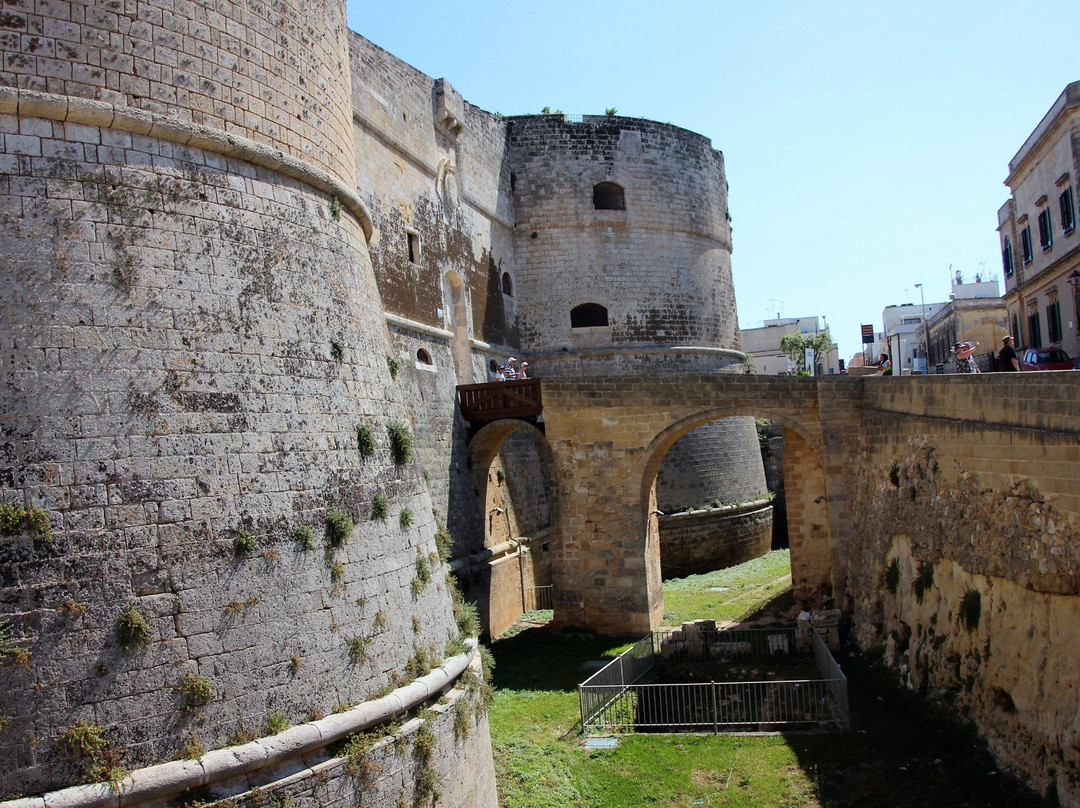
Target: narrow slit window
[507, 285]
[414, 248]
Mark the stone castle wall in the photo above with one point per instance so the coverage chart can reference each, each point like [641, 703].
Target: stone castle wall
[191, 337]
[962, 555]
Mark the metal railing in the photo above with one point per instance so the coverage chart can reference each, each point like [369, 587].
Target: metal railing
[537, 597]
[611, 681]
[612, 700]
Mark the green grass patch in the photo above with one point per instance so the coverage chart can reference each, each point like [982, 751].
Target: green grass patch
[901, 750]
[734, 593]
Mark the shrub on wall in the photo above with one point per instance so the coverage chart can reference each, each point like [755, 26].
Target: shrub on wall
[401, 441]
[365, 440]
[339, 526]
[244, 543]
[197, 691]
[132, 628]
[380, 507]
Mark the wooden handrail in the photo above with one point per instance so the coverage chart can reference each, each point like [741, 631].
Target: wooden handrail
[493, 400]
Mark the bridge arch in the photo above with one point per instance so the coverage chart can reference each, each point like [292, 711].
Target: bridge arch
[513, 477]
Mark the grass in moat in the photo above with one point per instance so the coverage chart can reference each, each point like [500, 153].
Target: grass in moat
[902, 751]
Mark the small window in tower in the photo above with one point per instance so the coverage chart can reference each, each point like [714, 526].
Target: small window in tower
[414, 248]
[608, 196]
[507, 285]
[588, 315]
[423, 357]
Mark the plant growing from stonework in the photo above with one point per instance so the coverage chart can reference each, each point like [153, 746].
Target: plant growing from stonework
[335, 208]
[190, 749]
[101, 762]
[357, 647]
[610, 111]
[337, 350]
[379, 622]
[444, 543]
[393, 365]
[365, 440]
[275, 722]
[294, 664]
[380, 507]
[401, 441]
[500, 476]
[339, 526]
[405, 518]
[244, 543]
[197, 691]
[132, 628]
[11, 654]
[17, 519]
[305, 537]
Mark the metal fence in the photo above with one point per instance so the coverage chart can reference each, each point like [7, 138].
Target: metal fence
[612, 700]
[537, 597]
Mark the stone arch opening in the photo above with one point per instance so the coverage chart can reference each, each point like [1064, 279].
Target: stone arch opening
[514, 484]
[806, 496]
[455, 297]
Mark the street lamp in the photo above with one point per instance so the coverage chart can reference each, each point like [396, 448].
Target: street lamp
[922, 325]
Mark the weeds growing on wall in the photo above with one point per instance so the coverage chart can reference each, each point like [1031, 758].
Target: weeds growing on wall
[380, 620]
[196, 691]
[275, 722]
[235, 607]
[190, 749]
[101, 762]
[11, 654]
[339, 526]
[305, 537]
[405, 518]
[357, 647]
[444, 543]
[294, 664]
[71, 608]
[365, 440]
[17, 519]
[500, 476]
[244, 543]
[380, 507]
[335, 208]
[337, 350]
[401, 442]
[393, 365]
[132, 628]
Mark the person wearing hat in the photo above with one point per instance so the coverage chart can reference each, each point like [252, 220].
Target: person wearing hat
[1007, 355]
[522, 372]
[964, 362]
[511, 369]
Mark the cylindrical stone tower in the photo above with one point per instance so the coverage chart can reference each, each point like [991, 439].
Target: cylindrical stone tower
[623, 242]
[623, 245]
[194, 395]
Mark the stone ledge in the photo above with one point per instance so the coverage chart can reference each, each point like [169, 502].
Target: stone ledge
[169, 779]
[51, 106]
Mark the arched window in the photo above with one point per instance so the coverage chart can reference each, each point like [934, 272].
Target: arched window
[608, 196]
[588, 315]
[493, 366]
[507, 285]
[423, 357]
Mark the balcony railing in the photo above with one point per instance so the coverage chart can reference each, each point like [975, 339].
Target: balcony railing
[494, 400]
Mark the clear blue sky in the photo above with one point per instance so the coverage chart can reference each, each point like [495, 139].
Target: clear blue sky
[866, 143]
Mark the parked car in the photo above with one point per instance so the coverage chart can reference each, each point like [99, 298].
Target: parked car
[1045, 359]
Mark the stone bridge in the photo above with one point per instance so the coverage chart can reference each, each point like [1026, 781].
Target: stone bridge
[605, 438]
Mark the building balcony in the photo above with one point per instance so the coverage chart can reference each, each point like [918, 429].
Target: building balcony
[494, 400]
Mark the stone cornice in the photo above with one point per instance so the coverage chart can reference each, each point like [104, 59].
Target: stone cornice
[88, 112]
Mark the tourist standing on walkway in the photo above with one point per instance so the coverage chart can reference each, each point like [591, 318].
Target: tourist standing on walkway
[1007, 356]
[964, 362]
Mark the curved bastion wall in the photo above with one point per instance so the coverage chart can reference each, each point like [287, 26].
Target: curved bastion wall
[190, 340]
[630, 216]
